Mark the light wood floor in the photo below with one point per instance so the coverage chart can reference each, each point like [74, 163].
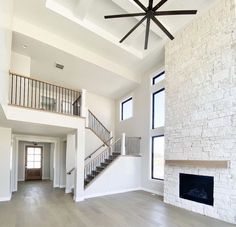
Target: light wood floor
[37, 204]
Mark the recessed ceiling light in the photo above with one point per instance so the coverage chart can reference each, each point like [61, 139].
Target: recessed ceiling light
[24, 46]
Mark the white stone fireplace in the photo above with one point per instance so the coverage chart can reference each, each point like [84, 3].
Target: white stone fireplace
[201, 110]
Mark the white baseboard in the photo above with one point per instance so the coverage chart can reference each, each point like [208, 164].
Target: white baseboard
[152, 191]
[20, 180]
[68, 191]
[62, 186]
[4, 199]
[111, 192]
[45, 178]
[79, 199]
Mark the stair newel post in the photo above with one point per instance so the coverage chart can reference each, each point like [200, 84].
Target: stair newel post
[83, 112]
[123, 152]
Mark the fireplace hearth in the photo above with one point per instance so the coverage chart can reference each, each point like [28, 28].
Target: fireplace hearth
[197, 188]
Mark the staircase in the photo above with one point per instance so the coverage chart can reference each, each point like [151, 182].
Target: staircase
[101, 161]
[98, 161]
[98, 128]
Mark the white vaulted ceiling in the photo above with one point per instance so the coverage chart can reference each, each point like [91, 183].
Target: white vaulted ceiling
[76, 31]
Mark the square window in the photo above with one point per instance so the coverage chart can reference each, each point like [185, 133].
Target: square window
[30, 158]
[30, 151]
[30, 165]
[37, 165]
[158, 161]
[37, 158]
[127, 109]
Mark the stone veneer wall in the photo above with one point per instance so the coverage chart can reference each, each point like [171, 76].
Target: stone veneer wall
[201, 107]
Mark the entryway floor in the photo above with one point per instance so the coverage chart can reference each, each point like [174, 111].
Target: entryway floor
[37, 204]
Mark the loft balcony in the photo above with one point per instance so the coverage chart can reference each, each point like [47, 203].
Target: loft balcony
[40, 95]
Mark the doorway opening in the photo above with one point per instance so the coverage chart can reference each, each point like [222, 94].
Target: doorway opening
[33, 163]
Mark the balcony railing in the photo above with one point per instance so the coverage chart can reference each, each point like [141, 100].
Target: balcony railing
[36, 94]
[132, 145]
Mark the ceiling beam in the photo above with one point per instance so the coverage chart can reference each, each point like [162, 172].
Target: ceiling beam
[82, 7]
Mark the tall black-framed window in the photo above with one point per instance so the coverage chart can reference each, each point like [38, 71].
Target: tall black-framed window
[158, 78]
[158, 161]
[158, 109]
[127, 109]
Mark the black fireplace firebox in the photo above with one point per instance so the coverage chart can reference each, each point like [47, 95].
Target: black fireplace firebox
[197, 188]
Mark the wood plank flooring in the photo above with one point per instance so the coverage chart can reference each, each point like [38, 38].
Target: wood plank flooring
[37, 204]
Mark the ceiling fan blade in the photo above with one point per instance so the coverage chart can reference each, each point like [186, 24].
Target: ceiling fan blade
[147, 33]
[162, 2]
[125, 15]
[140, 22]
[141, 5]
[150, 4]
[175, 12]
[159, 24]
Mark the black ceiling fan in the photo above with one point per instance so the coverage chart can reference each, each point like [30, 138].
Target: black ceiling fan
[150, 13]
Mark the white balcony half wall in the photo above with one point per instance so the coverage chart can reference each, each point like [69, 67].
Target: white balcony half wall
[17, 114]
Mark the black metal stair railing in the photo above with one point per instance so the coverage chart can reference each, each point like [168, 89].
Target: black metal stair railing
[98, 128]
[36, 94]
[101, 158]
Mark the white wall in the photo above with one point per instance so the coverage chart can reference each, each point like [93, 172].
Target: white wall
[20, 64]
[124, 174]
[92, 142]
[21, 160]
[52, 162]
[140, 125]
[5, 46]
[5, 164]
[104, 110]
[46, 161]
[70, 161]
[63, 165]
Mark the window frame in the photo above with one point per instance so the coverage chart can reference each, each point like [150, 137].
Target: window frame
[153, 105]
[122, 108]
[155, 77]
[152, 164]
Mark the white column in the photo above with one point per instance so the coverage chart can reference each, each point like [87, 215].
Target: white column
[70, 161]
[5, 163]
[83, 111]
[123, 144]
[14, 175]
[80, 155]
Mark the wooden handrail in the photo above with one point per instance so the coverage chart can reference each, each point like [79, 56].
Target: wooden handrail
[98, 148]
[42, 81]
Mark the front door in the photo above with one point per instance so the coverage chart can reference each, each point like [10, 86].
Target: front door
[33, 163]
